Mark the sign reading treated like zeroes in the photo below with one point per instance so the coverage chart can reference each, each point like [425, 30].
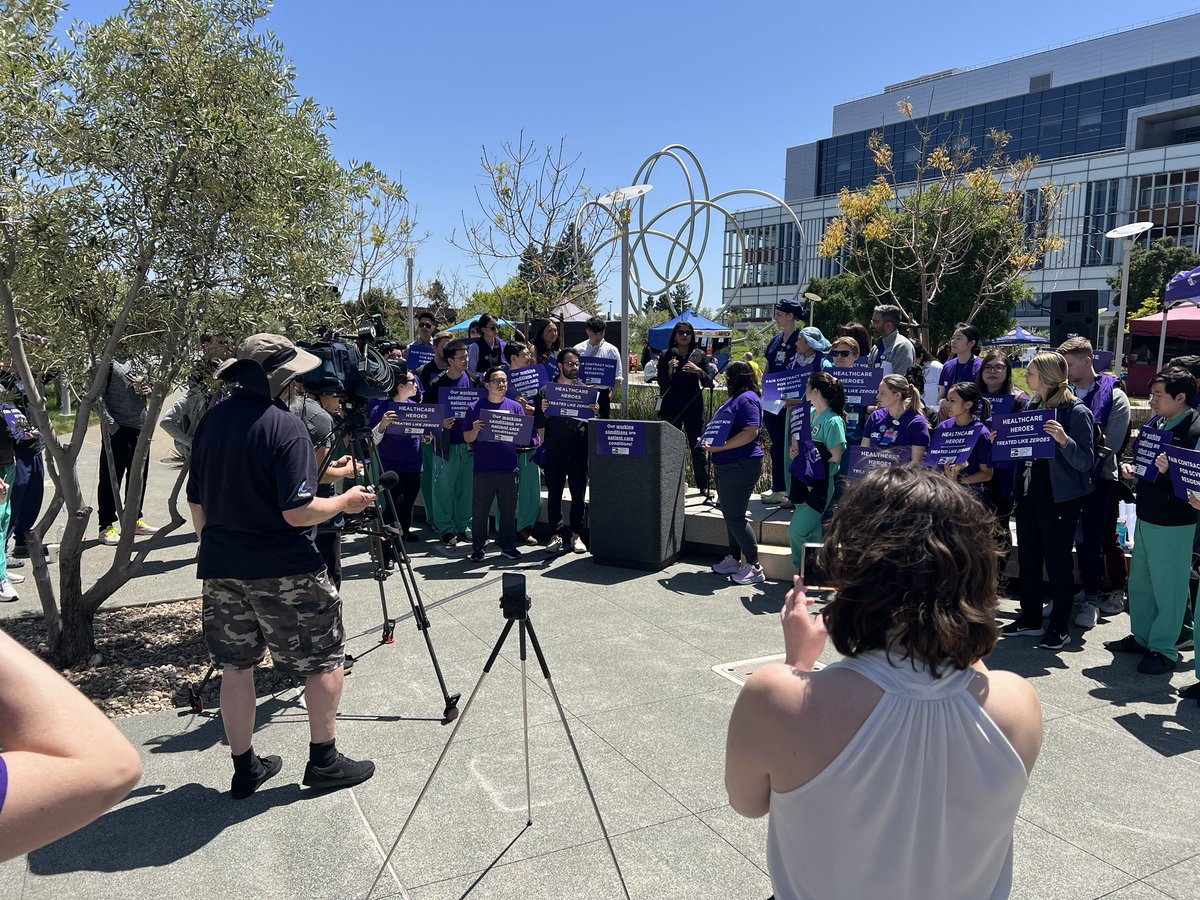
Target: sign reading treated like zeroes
[860, 382]
[574, 401]
[1022, 436]
[414, 418]
[863, 459]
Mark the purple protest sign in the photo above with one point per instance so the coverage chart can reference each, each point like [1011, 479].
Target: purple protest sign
[798, 422]
[952, 445]
[551, 368]
[1102, 360]
[780, 386]
[1150, 443]
[716, 432]
[414, 418]
[574, 401]
[503, 427]
[861, 383]
[617, 438]
[1001, 405]
[418, 355]
[862, 460]
[1184, 466]
[1022, 435]
[597, 371]
[526, 382]
[459, 400]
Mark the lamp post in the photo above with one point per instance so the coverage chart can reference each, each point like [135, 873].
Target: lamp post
[624, 197]
[1125, 233]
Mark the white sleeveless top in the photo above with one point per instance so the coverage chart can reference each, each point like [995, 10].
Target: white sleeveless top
[920, 804]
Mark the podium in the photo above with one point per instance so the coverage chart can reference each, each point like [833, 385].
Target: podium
[636, 492]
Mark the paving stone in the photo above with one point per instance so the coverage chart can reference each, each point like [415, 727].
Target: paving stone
[1046, 867]
[1181, 880]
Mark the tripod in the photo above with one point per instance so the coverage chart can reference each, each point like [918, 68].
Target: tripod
[515, 604]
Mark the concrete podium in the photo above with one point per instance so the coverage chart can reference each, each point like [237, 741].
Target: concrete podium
[636, 492]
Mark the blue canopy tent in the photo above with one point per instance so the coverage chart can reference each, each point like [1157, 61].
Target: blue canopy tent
[1015, 338]
[660, 335]
[465, 324]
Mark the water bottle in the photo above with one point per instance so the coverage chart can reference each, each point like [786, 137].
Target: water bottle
[1122, 535]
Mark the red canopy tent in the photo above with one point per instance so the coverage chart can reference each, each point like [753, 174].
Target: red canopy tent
[1183, 338]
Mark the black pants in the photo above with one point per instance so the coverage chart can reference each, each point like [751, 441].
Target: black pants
[27, 492]
[735, 485]
[570, 473]
[329, 545]
[501, 487]
[604, 401]
[402, 496]
[690, 420]
[1100, 553]
[124, 440]
[779, 447]
[1045, 533]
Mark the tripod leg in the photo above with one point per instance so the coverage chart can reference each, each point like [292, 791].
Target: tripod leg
[537, 649]
[525, 722]
[446, 749]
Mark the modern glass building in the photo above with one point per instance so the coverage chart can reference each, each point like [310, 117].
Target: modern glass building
[1116, 119]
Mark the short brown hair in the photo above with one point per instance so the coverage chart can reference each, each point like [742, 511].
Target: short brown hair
[442, 336]
[911, 556]
[1076, 345]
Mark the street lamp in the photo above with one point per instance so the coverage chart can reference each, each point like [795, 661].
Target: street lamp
[624, 197]
[1125, 233]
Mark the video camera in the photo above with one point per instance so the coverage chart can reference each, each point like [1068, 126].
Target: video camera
[353, 367]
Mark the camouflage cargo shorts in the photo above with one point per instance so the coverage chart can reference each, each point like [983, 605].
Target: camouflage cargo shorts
[298, 617]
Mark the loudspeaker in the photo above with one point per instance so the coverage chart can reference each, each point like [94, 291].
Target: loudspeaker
[1074, 313]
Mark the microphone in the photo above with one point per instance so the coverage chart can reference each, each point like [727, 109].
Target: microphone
[387, 481]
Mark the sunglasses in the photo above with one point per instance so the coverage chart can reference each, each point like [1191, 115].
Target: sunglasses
[425, 325]
[844, 353]
[684, 331]
[491, 327]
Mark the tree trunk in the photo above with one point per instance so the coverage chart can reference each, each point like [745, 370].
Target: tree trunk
[76, 640]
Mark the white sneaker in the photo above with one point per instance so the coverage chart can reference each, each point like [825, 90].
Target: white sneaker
[728, 566]
[1112, 604]
[8, 593]
[1088, 616]
[749, 575]
[16, 578]
[555, 545]
[577, 544]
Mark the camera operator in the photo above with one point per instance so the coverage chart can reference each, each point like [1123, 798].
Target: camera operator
[316, 404]
[251, 495]
[452, 477]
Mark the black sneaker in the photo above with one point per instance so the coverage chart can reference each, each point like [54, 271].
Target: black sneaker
[1186, 640]
[1054, 640]
[342, 772]
[20, 552]
[1127, 644]
[511, 553]
[1191, 692]
[476, 556]
[1019, 627]
[243, 786]
[1155, 663]
[449, 541]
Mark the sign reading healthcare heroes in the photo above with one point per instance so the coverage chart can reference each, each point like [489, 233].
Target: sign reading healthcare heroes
[1022, 436]
[573, 401]
[716, 432]
[951, 445]
[1150, 443]
[416, 418]
[617, 438]
[503, 427]
[1185, 472]
[861, 383]
[460, 399]
[863, 459]
[789, 384]
[1001, 406]
[526, 382]
[596, 371]
[418, 356]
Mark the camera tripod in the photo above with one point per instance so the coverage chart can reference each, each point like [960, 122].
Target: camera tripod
[515, 604]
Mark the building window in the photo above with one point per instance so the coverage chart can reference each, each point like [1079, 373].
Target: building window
[1171, 200]
[1100, 216]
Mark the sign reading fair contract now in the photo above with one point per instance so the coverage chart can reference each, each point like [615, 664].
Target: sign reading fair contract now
[504, 427]
[716, 433]
[1184, 466]
[573, 401]
[621, 439]
[418, 356]
[779, 386]
[1022, 436]
[597, 371]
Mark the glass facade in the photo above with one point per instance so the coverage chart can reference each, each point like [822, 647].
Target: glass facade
[1101, 217]
[773, 256]
[1170, 200]
[1086, 117]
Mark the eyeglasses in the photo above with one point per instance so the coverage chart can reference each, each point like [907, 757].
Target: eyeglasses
[498, 381]
[995, 368]
[840, 353]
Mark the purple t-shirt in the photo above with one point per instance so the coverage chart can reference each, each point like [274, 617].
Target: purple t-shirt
[397, 452]
[493, 456]
[981, 453]
[883, 431]
[3, 781]
[746, 409]
[953, 372]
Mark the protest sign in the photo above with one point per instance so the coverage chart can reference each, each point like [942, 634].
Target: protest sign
[526, 382]
[416, 418]
[503, 427]
[716, 432]
[861, 383]
[952, 445]
[1184, 466]
[571, 400]
[598, 372]
[1022, 436]
[862, 460]
[417, 356]
[781, 386]
[620, 438]
[1150, 443]
[459, 400]
[1002, 405]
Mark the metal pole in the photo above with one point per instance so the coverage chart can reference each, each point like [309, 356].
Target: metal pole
[625, 319]
[1119, 349]
[1162, 338]
[412, 325]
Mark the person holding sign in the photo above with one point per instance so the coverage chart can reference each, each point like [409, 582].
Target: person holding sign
[597, 346]
[816, 458]
[1050, 495]
[965, 366]
[995, 382]
[496, 468]
[519, 355]
[781, 351]
[898, 421]
[964, 408]
[681, 379]
[739, 465]
[564, 441]
[426, 375]
[399, 453]
[1166, 525]
[452, 479]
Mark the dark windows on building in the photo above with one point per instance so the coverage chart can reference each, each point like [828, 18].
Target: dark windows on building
[1100, 217]
[1171, 200]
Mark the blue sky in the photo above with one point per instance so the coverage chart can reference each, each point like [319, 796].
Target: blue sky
[419, 88]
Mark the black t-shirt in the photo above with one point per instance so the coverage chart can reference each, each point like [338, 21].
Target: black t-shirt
[565, 437]
[321, 431]
[251, 460]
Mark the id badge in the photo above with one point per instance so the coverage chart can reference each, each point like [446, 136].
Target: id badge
[781, 357]
[658, 405]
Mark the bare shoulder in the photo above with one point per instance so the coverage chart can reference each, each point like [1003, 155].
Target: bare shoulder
[1013, 704]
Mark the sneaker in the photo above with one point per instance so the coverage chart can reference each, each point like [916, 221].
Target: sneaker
[530, 540]
[749, 574]
[342, 772]
[1186, 642]
[476, 556]
[143, 528]
[1112, 604]
[577, 544]
[110, 536]
[449, 541]
[1017, 628]
[14, 563]
[1155, 663]
[511, 553]
[243, 786]
[20, 552]
[727, 566]
[1088, 615]
[1047, 610]
[555, 544]
[8, 594]
[16, 579]
[770, 498]
[465, 537]
[1127, 644]
[1054, 640]
[1191, 692]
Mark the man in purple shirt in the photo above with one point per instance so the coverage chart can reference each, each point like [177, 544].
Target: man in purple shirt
[496, 469]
